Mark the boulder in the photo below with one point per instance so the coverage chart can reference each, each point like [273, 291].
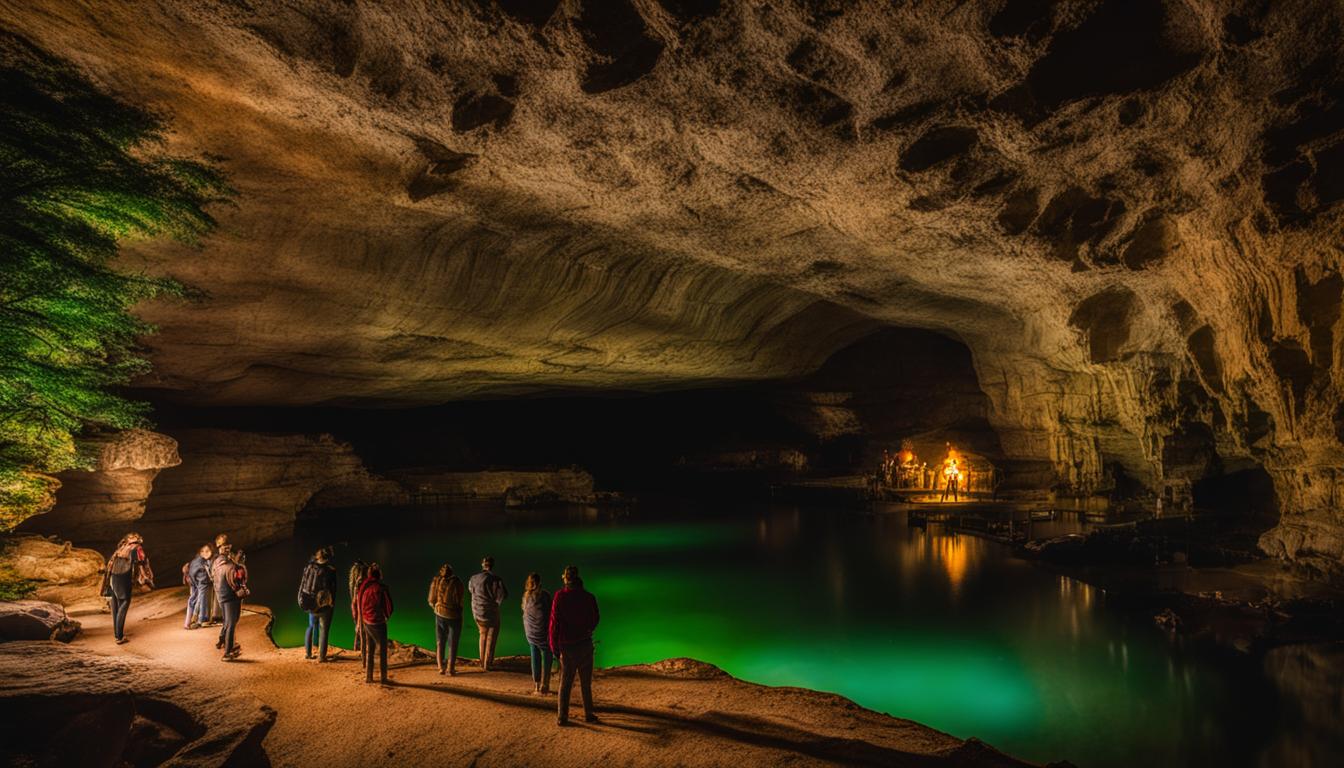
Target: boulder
[71, 706]
[35, 620]
[59, 572]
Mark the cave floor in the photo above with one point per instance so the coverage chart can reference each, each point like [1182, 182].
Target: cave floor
[670, 713]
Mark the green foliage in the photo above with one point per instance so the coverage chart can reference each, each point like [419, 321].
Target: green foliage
[80, 172]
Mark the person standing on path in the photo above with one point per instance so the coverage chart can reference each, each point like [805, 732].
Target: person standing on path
[127, 570]
[487, 592]
[445, 597]
[231, 586]
[375, 608]
[216, 611]
[317, 596]
[198, 581]
[358, 570]
[536, 626]
[574, 616]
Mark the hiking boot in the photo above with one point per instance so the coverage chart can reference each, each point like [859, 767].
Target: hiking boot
[194, 625]
[591, 718]
[122, 641]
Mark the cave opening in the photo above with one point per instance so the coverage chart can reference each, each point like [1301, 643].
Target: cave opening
[1246, 496]
[891, 385]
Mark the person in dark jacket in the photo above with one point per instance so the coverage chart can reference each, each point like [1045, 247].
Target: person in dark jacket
[573, 618]
[231, 586]
[198, 581]
[375, 607]
[536, 626]
[445, 598]
[317, 596]
[127, 570]
[487, 592]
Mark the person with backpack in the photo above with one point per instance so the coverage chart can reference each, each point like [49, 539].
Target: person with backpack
[127, 569]
[317, 596]
[375, 608]
[574, 616]
[445, 598]
[231, 586]
[196, 575]
[487, 592]
[536, 625]
[358, 570]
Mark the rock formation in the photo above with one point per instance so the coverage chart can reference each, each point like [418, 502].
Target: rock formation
[1127, 209]
[111, 494]
[35, 620]
[68, 706]
[251, 485]
[56, 571]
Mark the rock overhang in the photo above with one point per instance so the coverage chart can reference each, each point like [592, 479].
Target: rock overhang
[1124, 209]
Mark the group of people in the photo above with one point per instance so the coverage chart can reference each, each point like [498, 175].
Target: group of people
[559, 625]
[555, 626]
[217, 584]
[216, 581]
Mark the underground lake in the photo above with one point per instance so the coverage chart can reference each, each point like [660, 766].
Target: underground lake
[949, 630]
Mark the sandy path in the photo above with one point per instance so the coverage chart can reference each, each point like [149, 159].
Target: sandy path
[659, 715]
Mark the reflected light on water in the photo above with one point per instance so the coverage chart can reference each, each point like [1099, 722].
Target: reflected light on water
[952, 553]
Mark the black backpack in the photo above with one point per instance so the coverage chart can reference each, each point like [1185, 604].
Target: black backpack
[308, 587]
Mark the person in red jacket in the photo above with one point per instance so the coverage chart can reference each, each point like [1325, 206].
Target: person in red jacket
[375, 607]
[573, 618]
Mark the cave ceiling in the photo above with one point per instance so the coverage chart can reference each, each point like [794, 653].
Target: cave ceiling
[1127, 209]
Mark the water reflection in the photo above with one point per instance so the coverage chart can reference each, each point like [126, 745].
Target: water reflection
[945, 629]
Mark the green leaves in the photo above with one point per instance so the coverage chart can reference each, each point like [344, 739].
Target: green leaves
[80, 172]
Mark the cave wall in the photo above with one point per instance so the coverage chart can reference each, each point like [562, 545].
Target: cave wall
[1127, 209]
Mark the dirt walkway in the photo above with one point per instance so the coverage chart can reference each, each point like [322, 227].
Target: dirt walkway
[673, 713]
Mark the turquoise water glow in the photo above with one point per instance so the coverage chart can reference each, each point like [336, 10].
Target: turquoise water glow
[951, 631]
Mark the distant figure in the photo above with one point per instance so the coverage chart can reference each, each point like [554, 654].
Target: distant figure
[358, 570]
[487, 592]
[536, 627]
[445, 597]
[317, 596]
[127, 569]
[216, 611]
[573, 618]
[231, 586]
[951, 474]
[197, 578]
[375, 608]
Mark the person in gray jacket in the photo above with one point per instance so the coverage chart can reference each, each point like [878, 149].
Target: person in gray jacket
[487, 592]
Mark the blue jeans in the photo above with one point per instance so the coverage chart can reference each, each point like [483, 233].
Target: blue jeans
[541, 665]
[447, 633]
[319, 624]
[198, 606]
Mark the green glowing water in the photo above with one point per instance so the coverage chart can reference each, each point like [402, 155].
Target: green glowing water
[950, 631]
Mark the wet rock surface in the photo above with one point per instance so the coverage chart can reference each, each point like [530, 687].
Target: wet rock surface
[1129, 211]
